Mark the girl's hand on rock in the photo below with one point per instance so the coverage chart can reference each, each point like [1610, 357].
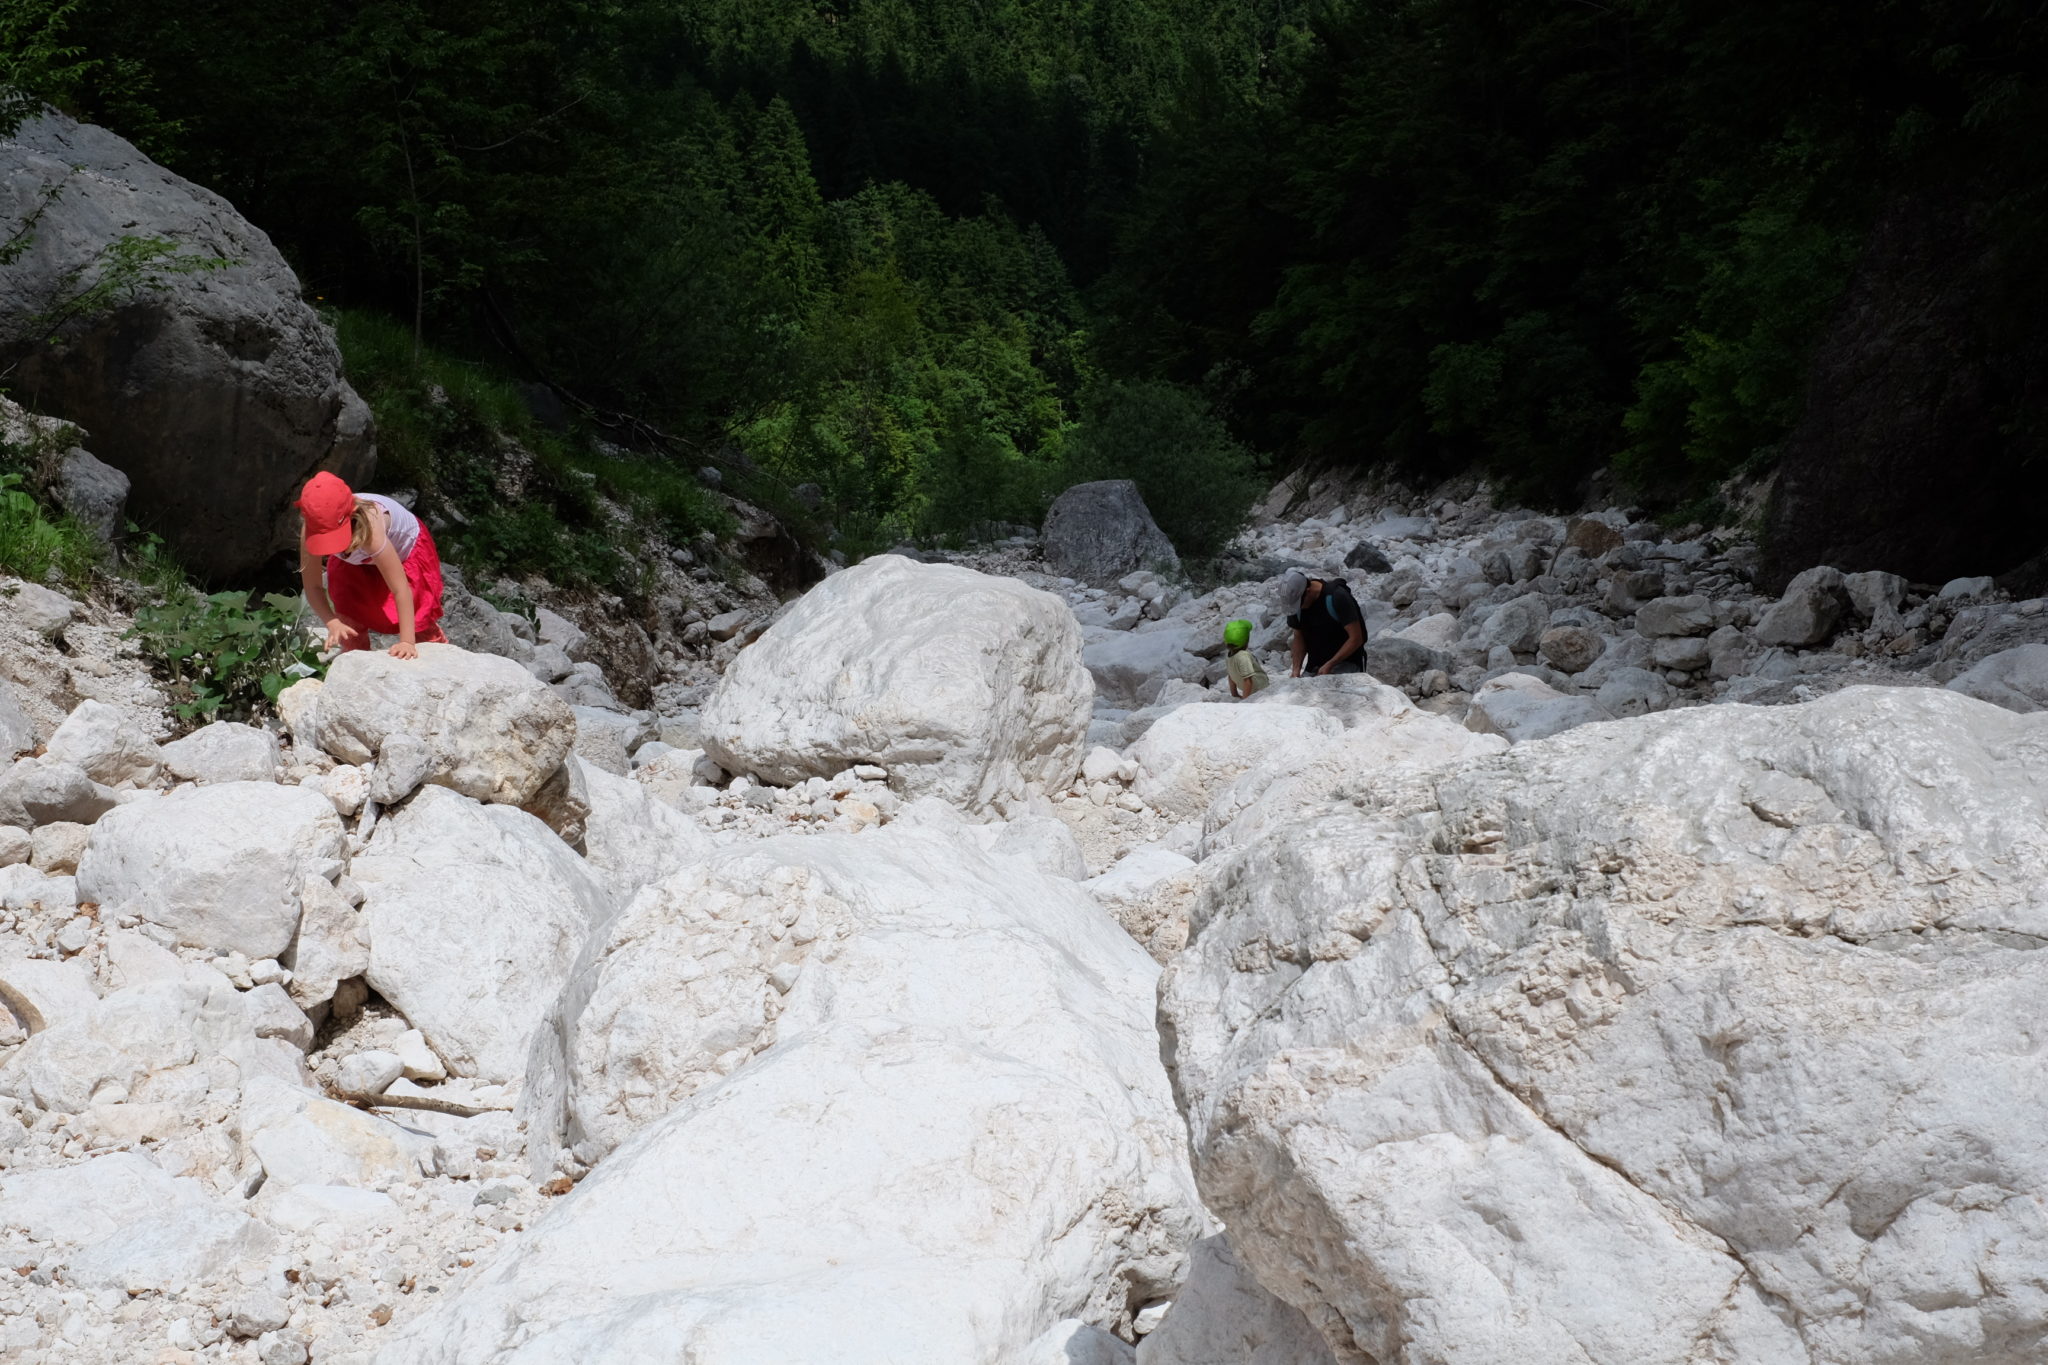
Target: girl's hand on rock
[405, 650]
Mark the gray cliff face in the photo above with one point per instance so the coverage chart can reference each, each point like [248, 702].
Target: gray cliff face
[217, 392]
[1919, 451]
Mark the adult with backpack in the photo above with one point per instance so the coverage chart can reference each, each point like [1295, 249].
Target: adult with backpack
[1329, 629]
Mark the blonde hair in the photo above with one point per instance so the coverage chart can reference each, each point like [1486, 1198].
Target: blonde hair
[364, 526]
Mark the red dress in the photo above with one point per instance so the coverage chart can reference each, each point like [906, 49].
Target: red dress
[361, 599]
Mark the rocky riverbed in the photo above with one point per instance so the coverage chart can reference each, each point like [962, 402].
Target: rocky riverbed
[1637, 966]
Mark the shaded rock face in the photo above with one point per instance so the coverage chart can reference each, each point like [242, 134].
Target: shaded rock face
[1098, 532]
[1919, 448]
[216, 393]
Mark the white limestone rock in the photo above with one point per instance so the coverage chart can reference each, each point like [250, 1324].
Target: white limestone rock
[328, 948]
[962, 686]
[41, 993]
[221, 867]
[129, 1036]
[1386, 737]
[403, 762]
[304, 1139]
[1191, 754]
[1725, 1011]
[102, 741]
[632, 839]
[1042, 841]
[119, 1222]
[224, 752]
[295, 707]
[956, 1138]
[474, 914]
[495, 732]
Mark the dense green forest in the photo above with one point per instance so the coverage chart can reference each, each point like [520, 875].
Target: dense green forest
[939, 257]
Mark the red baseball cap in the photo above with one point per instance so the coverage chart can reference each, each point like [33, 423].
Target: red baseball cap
[328, 506]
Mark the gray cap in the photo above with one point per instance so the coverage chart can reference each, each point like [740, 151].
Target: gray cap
[1287, 597]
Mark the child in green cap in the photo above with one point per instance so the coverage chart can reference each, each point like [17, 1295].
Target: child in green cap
[1246, 677]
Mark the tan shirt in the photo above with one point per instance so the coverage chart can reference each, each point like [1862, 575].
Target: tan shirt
[1244, 668]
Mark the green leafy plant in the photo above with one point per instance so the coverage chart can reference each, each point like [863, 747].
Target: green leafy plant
[35, 544]
[229, 653]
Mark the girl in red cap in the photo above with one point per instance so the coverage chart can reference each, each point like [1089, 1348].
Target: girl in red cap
[382, 571]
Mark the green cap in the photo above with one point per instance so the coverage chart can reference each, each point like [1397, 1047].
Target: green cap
[1237, 634]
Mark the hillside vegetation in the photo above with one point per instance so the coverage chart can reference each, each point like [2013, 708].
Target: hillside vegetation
[941, 258]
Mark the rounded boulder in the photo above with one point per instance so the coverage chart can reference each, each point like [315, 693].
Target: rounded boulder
[493, 731]
[965, 687]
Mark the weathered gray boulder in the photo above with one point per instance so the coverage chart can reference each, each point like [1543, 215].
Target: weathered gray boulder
[1571, 649]
[493, 731]
[1397, 660]
[2016, 679]
[1098, 532]
[92, 491]
[216, 392]
[1516, 625]
[1633, 692]
[1813, 605]
[1519, 708]
[1876, 596]
[1675, 616]
[1367, 556]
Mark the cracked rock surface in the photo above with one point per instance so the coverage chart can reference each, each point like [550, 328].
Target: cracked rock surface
[1706, 1036]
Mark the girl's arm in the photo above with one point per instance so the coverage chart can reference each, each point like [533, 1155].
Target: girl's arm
[313, 578]
[392, 571]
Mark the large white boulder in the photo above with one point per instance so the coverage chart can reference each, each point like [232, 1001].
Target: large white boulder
[219, 866]
[474, 914]
[1190, 754]
[963, 686]
[954, 1136]
[1727, 1012]
[494, 732]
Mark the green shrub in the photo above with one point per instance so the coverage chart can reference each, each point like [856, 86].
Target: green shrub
[227, 655]
[36, 545]
[1197, 480]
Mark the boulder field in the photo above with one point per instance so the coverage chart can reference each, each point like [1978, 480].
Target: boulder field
[968, 981]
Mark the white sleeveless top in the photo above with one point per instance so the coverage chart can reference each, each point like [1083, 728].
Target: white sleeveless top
[404, 530]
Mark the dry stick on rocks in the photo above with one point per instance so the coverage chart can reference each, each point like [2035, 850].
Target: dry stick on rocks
[426, 1102]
